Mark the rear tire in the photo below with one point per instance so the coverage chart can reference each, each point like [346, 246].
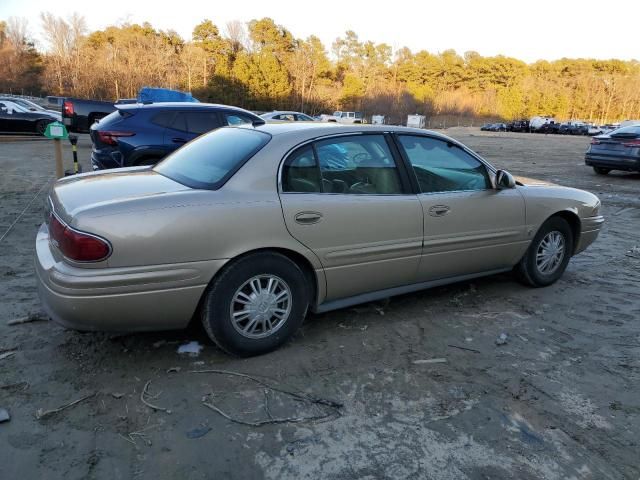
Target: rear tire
[41, 127]
[255, 304]
[548, 255]
[601, 170]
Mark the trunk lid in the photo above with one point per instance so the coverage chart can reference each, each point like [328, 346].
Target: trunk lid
[109, 191]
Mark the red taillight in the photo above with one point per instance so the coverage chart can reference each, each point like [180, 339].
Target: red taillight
[79, 246]
[595, 142]
[111, 137]
[632, 143]
[67, 108]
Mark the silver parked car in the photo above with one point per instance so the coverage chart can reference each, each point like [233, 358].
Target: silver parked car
[248, 228]
[287, 116]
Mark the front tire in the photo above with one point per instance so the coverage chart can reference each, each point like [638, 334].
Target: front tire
[601, 170]
[256, 304]
[548, 255]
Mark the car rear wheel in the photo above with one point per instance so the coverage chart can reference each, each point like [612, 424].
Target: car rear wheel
[255, 304]
[601, 170]
[41, 127]
[548, 255]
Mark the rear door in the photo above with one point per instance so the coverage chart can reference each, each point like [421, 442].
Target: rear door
[346, 199]
[469, 227]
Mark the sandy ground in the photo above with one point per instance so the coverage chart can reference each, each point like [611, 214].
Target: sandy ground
[561, 400]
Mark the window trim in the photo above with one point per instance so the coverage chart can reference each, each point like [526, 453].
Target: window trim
[491, 170]
[405, 179]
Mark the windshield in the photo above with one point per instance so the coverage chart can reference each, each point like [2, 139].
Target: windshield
[210, 160]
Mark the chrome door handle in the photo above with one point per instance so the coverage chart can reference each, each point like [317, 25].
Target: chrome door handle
[308, 218]
[439, 210]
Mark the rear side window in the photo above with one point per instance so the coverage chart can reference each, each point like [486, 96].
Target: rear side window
[300, 172]
[163, 119]
[210, 160]
[234, 119]
[179, 122]
[202, 122]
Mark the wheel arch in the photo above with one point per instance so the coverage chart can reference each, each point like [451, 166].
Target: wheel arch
[316, 284]
[573, 220]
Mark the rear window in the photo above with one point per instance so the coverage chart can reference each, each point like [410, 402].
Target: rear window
[210, 160]
[633, 130]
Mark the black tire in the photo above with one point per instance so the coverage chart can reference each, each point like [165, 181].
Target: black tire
[41, 126]
[601, 170]
[218, 304]
[528, 271]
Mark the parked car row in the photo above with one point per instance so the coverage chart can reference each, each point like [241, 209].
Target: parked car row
[494, 127]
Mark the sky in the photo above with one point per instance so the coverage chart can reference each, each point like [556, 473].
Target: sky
[527, 30]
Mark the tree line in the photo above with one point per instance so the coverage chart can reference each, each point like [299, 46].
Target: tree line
[260, 65]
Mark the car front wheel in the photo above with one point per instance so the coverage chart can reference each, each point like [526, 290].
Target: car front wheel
[547, 257]
[601, 170]
[256, 304]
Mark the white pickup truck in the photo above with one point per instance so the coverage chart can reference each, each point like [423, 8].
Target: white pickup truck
[344, 117]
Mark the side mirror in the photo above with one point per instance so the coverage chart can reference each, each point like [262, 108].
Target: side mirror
[504, 180]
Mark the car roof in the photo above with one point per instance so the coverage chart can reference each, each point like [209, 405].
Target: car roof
[316, 129]
[177, 105]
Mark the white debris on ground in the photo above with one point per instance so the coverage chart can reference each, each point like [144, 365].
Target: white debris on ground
[192, 348]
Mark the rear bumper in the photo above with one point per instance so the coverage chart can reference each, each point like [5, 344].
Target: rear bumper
[103, 161]
[158, 297]
[589, 230]
[631, 164]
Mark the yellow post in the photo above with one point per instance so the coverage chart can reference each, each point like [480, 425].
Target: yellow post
[58, 147]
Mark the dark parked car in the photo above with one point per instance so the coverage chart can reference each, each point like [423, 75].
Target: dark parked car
[494, 127]
[15, 118]
[143, 134]
[618, 150]
[78, 115]
[580, 129]
[518, 126]
[551, 127]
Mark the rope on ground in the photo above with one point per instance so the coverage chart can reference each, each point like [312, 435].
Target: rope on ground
[23, 211]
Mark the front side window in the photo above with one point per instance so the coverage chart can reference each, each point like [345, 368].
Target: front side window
[357, 165]
[211, 159]
[441, 166]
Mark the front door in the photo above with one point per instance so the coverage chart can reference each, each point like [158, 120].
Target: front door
[469, 227]
[345, 199]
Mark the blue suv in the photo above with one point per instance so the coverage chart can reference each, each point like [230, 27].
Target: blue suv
[143, 134]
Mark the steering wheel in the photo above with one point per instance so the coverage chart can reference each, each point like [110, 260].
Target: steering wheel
[360, 157]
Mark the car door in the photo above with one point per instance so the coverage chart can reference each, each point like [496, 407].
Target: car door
[469, 227]
[176, 133]
[346, 199]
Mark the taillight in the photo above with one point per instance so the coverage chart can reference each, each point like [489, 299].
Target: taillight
[111, 137]
[632, 143]
[595, 142]
[67, 108]
[76, 245]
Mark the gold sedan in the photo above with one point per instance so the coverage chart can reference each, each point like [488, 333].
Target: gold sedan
[248, 228]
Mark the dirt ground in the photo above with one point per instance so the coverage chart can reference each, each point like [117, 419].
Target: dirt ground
[560, 400]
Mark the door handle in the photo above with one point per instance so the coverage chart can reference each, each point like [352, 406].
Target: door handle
[179, 140]
[308, 218]
[439, 210]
